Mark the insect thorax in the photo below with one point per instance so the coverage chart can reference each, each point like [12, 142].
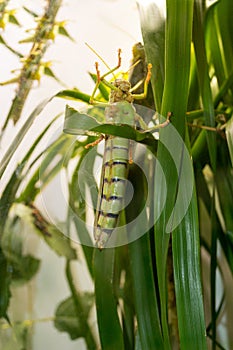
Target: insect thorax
[122, 93]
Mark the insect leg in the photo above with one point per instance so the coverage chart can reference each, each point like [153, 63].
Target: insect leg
[115, 68]
[95, 143]
[141, 122]
[147, 80]
[162, 125]
[130, 152]
[102, 78]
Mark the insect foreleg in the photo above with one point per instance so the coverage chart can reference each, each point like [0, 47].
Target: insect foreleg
[115, 68]
[102, 78]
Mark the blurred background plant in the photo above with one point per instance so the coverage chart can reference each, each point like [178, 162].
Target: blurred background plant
[148, 294]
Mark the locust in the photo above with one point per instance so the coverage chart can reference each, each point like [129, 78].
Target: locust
[117, 151]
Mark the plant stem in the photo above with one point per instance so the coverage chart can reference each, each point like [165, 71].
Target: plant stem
[86, 330]
[31, 64]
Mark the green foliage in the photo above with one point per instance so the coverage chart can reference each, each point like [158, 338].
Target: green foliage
[23, 267]
[5, 293]
[67, 319]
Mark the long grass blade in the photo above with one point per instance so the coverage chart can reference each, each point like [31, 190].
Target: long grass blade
[108, 321]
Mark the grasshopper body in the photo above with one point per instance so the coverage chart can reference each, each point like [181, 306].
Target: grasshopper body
[117, 152]
[117, 156]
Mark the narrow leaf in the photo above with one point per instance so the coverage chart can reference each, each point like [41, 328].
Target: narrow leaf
[108, 321]
[60, 243]
[62, 31]
[20, 135]
[74, 94]
[5, 277]
[229, 135]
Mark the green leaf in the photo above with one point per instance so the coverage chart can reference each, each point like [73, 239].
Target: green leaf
[213, 49]
[125, 293]
[34, 220]
[229, 135]
[228, 82]
[141, 267]
[48, 71]
[66, 318]
[185, 239]
[74, 94]
[138, 345]
[2, 41]
[32, 13]
[104, 91]
[81, 307]
[110, 331]
[62, 31]
[20, 135]
[23, 267]
[45, 173]
[30, 39]
[13, 20]
[168, 188]
[146, 306]
[153, 31]
[77, 202]
[9, 193]
[225, 29]
[5, 278]
[77, 123]
[60, 243]
[204, 196]
[203, 77]
[16, 336]
[10, 81]
[224, 184]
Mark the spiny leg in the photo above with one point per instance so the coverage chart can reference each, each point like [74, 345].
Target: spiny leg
[94, 143]
[92, 100]
[144, 127]
[162, 125]
[115, 68]
[98, 81]
[102, 78]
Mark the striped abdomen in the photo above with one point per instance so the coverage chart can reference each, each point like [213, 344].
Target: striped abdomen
[112, 188]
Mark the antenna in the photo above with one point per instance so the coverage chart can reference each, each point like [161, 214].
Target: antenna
[96, 53]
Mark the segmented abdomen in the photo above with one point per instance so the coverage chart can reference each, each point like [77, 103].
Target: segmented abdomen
[112, 188]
